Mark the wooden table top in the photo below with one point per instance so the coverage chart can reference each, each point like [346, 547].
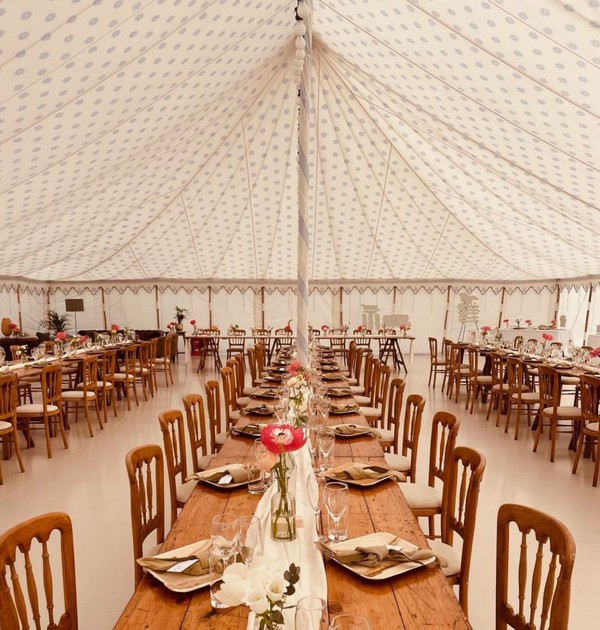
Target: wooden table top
[419, 599]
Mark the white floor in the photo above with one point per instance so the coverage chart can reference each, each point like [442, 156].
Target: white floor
[89, 483]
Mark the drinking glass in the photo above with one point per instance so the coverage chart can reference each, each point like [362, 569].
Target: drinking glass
[326, 442]
[250, 538]
[314, 485]
[350, 622]
[311, 614]
[337, 499]
[324, 407]
[256, 475]
[217, 563]
[225, 532]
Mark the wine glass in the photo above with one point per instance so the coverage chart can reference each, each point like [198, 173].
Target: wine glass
[337, 499]
[326, 442]
[250, 539]
[311, 614]
[350, 622]
[225, 531]
[314, 484]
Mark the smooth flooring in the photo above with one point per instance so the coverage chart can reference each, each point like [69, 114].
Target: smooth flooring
[89, 482]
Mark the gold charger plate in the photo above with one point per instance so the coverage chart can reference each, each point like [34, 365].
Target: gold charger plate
[178, 582]
[379, 538]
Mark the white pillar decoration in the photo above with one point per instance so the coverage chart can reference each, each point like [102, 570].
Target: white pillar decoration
[302, 30]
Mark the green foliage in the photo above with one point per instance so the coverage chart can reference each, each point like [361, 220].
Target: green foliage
[180, 314]
[55, 322]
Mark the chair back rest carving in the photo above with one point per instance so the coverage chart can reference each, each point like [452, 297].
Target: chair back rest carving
[261, 354]
[518, 342]
[444, 430]
[108, 366]
[130, 360]
[415, 404]
[433, 348]
[237, 340]
[549, 594]
[9, 398]
[51, 385]
[239, 369]
[228, 394]
[173, 432]
[89, 374]
[381, 386]
[497, 369]
[589, 387]
[392, 418]
[213, 405]
[145, 469]
[459, 506]
[144, 355]
[196, 426]
[516, 377]
[473, 354]
[18, 547]
[549, 380]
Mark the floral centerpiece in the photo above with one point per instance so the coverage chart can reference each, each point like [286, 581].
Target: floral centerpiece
[553, 323]
[279, 440]
[21, 353]
[546, 337]
[171, 327]
[360, 328]
[485, 331]
[298, 394]
[15, 330]
[528, 322]
[404, 328]
[506, 322]
[324, 328]
[193, 323]
[260, 587]
[288, 327]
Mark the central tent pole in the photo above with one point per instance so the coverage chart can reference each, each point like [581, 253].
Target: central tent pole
[302, 74]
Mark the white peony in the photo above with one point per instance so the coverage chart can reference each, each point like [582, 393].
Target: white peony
[256, 599]
[232, 591]
[277, 588]
[260, 574]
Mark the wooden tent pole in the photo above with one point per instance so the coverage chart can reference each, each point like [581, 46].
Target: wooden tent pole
[19, 306]
[501, 307]
[394, 303]
[557, 303]
[210, 319]
[341, 307]
[157, 307]
[262, 307]
[587, 314]
[104, 308]
[447, 311]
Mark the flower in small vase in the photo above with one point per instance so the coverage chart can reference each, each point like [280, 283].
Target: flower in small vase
[528, 322]
[404, 328]
[360, 328]
[485, 330]
[288, 329]
[506, 322]
[114, 328]
[553, 323]
[171, 326]
[61, 336]
[193, 323]
[324, 328]
[547, 337]
[261, 587]
[595, 352]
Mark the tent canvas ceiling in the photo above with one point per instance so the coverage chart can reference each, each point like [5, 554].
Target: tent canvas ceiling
[158, 140]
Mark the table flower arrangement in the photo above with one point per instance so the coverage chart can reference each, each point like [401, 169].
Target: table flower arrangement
[485, 331]
[298, 392]
[279, 440]
[15, 330]
[404, 328]
[21, 353]
[553, 323]
[506, 322]
[193, 323]
[360, 328]
[528, 322]
[325, 328]
[260, 587]
[288, 327]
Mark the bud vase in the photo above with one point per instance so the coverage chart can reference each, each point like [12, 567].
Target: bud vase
[283, 516]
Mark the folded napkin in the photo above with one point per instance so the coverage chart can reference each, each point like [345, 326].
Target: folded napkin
[237, 471]
[357, 471]
[341, 391]
[344, 408]
[264, 393]
[262, 410]
[381, 556]
[252, 429]
[200, 567]
[353, 429]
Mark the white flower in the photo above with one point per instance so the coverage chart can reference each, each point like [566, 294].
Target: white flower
[260, 574]
[294, 381]
[256, 599]
[233, 591]
[276, 588]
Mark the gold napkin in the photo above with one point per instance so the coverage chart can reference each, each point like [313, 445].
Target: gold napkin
[261, 410]
[344, 408]
[200, 567]
[356, 471]
[353, 429]
[378, 555]
[237, 471]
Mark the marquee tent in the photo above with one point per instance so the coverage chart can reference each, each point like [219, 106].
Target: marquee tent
[150, 148]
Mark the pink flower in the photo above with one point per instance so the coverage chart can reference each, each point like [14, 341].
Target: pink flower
[193, 322]
[486, 328]
[360, 328]
[83, 338]
[547, 336]
[13, 326]
[282, 438]
[528, 322]
[505, 321]
[553, 322]
[324, 327]
[288, 329]
[595, 352]
[61, 336]
[114, 327]
[294, 367]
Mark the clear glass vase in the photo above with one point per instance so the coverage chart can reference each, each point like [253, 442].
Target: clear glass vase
[283, 515]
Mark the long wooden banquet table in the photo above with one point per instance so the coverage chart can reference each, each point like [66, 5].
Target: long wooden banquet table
[418, 599]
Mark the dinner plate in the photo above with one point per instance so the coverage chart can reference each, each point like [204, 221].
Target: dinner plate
[532, 360]
[344, 409]
[267, 394]
[563, 366]
[376, 539]
[333, 377]
[361, 483]
[249, 430]
[179, 582]
[272, 377]
[330, 368]
[362, 432]
[264, 410]
[223, 486]
[339, 393]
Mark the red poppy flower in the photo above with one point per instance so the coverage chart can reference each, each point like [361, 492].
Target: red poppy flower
[282, 438]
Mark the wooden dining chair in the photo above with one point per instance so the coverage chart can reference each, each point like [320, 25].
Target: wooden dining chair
[519, 394]
[498, 390]
[362, 354]
[27, 596]
[551, 410]
[197, 430]
[352, 348]
[85, 394]
[364, 398]
[210, 347]
[362, 338]
[143, 369]
[389, 433]
[437, 363]
[124, 379]
[337, 343]
[232, 412]
[218, 433]
[406, 461]
[375, 413]
[459, 513]
[590, 422]
[162, 362]
[107, 366]
[242, 394]
[47, 413]
[145, 470]
[546, 553]
[478, 384]
[9, 400]
[426, 500]
[236, 343]
[447, 354]
[173, 432]
[254, 380]
[460, 373]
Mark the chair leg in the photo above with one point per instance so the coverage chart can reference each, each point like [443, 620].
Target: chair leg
[596, 467]
[553, 428]
[86, 412]
[578, 453]
[18, 450]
